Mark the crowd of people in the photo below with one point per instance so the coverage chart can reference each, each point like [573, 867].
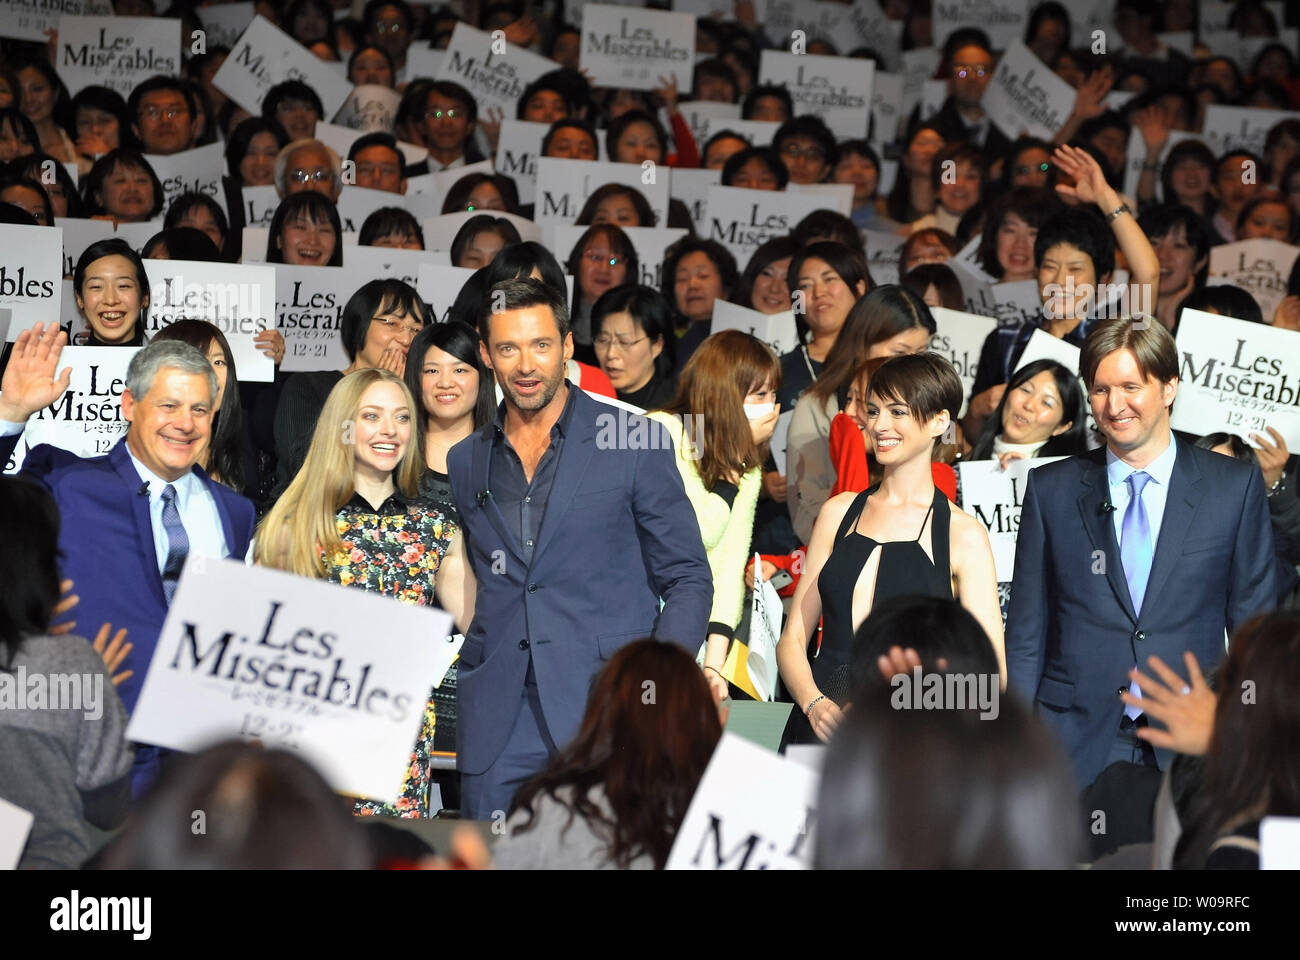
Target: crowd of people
[461, 462]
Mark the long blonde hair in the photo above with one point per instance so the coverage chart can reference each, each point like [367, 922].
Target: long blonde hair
[300, 530]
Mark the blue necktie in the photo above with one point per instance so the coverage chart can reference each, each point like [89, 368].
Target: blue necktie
[1136, 552]
[178, 542]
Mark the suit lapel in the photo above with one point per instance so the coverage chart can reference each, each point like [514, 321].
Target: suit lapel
[227, 521]
[120, 458]
[1101, 530]
[1185, 494]
[481, 472]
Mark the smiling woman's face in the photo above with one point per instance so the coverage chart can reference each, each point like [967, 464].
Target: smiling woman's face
[307, 243]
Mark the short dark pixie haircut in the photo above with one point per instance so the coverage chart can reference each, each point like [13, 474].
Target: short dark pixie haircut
[925, 382]
[760, 90]
[290, 90]
[519, 294]
[813, 128]
[1084, 229]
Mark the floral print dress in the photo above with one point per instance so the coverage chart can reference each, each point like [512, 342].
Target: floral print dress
[396, 550]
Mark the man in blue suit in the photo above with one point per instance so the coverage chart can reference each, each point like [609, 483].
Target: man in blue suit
[130, 518]
[575, 542]
[1146, 547]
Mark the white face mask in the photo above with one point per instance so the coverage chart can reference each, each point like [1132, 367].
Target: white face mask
[757, 411]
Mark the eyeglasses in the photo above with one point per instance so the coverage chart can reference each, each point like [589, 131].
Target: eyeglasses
[964, 72]
[452, 114]
[604, 342]
[595, 257]
[796, 151]
[307, 176]
[393, 325]
[171, 113]
[391, 26]
[1042, 168]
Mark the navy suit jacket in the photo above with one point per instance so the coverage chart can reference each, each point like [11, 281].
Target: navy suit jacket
[106, 547]
[618, 534]
[1072, 634]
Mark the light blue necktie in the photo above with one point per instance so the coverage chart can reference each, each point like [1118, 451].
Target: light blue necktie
[178, 542]
[1136, 552]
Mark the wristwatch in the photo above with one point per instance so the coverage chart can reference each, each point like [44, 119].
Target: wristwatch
[1278, 487]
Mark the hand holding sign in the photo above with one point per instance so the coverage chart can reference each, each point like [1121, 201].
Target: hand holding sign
[29, 382]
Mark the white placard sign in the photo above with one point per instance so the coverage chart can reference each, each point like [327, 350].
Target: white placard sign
[1003, 20]
[309, 304]
[342, 676]
[375, 262]
[87, 417]
[777, 330]
[1238, 377]
[886, 106]
[818, 19]
[648, 242]
[192, 171]
[237, 298]
[78, 234]
[753, 810]
[994, 497]
[875, 31]
[884, 253]
[265, 56]
[357, 203]
[518, 147]
[933, 95]
[691, 187]
[137, 235]
[116, 52]
[425, 194]
[495, 77]
[836, 89]
[825, 196]
[255, 241]
[15, 825]
[632, 47]
[369, 107]
[422, 60]
[563, 186]
[440, 231]
[30, 19]
[225, 22]
[699, 114]
[439, 286]
[1043, 346]
[975, 288]
[780, 439]
[743, 220]
[1279, 843]
[1017, 302]
[1240, 128]
[958, 338]
[918, 67]
[1026, 96]
[259, 205]
[1260, 267]
[30, 275]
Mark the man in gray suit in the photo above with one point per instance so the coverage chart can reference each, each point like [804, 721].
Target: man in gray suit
[579, 545]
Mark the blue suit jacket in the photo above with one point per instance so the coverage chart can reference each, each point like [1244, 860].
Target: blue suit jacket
[1072, 635]
[618, 534]
[106, 547]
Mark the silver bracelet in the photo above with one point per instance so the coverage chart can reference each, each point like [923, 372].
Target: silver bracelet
[815, 701]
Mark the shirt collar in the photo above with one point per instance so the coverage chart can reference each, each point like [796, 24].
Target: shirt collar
[184, 486]
[561, 427]
[395, 504]
[1161, 469]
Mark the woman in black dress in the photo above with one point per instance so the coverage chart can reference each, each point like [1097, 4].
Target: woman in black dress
[898, 537]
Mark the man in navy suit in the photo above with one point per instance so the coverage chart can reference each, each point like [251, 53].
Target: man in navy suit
[130, 518]
[575, 542]
[1147, 547]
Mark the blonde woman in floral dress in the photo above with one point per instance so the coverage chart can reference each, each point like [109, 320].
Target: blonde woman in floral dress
[353, 515]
